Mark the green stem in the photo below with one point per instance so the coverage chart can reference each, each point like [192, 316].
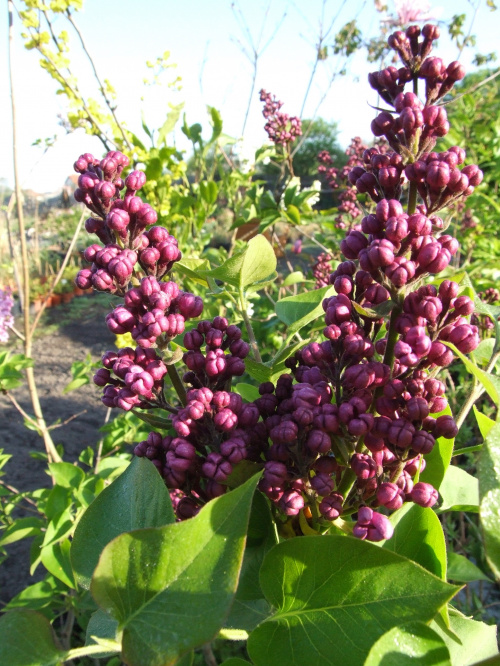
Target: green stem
[392, 336]
[248, 326]
[477, 392]
[177, 384]
[347, 483]
[412, 198]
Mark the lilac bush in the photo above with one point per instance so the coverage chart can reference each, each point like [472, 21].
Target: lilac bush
[6, 317]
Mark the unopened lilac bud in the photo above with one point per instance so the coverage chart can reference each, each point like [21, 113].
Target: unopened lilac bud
[445, 427]
[423, 442]
[401, 433]
[433, 258]
[216, 467]
[330, 506]
[318, 441]
[363, 466]
[135, 180]
[291, 502]
[424, 494]
[390, 496]
[465, 338]
[225, 420]
[322, 484]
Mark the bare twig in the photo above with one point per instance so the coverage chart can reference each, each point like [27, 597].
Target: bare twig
[60, 425]
[50, 448]
[21, 410]
[59, 275]
[110, 106]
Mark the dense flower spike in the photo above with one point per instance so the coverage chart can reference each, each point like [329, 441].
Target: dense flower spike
[120, 223]
[280, 127]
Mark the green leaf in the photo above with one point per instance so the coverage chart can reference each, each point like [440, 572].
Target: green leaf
[249, 606]
[38, 595]
[293, 214]
[252, 265]
[247, 391]
[154, 421]
[55, 558]
[190, 267]
[101, 626]
[484, 422]
[298, 311]
[438, 460]
[235, 661]
[489, 489]
[209, 192]
[490, 383]
[412, 644]
[66, 474]
[477, 640]
[294, 278]
[76, 384]
[459, 491]
[137, 498]
[27, 639]
[462, 570]
[170, 122]
[216, 122]
[21, 529]
[258, 371]
[170, 588]
[335, 596]
[418, 536]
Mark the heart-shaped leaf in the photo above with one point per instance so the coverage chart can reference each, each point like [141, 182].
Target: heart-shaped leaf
[137, 498]
[335, 596]
[170, 588]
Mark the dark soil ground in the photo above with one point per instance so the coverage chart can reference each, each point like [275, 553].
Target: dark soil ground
[68, 334]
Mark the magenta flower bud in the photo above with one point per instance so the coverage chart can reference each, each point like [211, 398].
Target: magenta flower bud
[382, 124]
[234, 450]
[423, 442]
[189, 306]
[322, 484]
[352, 244]
[318, 441]
[465, 338]
[361, 425]
[248, 416]
[430, 307]
[102, 377]
[118, 219]
[380, 528]
[396, 229]
[401, 433]
[363, 465]
[83, 279]
[216, 467]
[440, 354]
[330, 506]
[135, 180]
[474, 174]
[146, 215]
[286, 432]
[445, 427]
[104, 190]
[381, 253]
[400, 271]
[291, 502]
[390, 496]
[149, 257]
[424, 494]
[239, 348]
[358, 376]
[433, 258]
[464, 306]
[448, 290]
[102, 281]
[438, 175]
[417, 409]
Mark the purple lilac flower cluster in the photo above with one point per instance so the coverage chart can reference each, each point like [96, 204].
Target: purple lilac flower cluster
[348, 209]
[281, 128]
[350, 426]
[136, 254]
[321, 270]
[215, 429]
[6, 318]
[120, 224]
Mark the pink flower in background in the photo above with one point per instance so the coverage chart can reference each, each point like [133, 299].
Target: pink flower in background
[414, 10]
[6, 318]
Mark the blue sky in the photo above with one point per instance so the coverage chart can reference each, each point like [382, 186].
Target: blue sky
[206, 40]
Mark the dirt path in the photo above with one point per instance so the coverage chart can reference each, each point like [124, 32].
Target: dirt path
[53, 353]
